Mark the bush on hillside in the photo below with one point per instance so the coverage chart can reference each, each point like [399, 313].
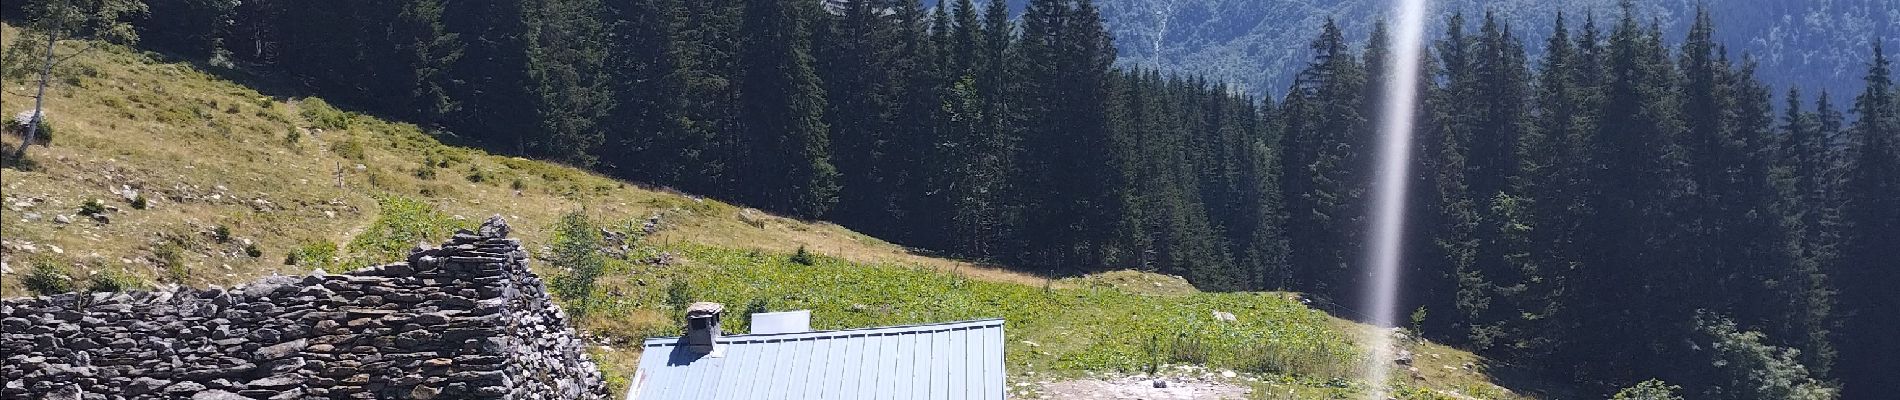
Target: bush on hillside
[802, 257]
[400, 225]
[48, 277]
[113, 280]
[170, 256]
[350, 149]
[222, 234]
[312, 254]
[678, 294]
[577, 253]
[92, 207]
[1649, 390]
[319, 114]
[43, 136]
[1752, 369]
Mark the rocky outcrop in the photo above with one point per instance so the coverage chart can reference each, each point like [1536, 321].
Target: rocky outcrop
[464, 321]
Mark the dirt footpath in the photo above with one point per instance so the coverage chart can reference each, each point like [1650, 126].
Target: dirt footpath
[1143, 388]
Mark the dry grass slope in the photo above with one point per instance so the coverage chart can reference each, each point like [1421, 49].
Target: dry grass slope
[284, 172]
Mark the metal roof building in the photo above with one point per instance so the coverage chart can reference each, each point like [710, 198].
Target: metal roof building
[957, 360]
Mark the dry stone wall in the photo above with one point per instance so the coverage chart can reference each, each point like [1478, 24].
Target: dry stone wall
[464, 321]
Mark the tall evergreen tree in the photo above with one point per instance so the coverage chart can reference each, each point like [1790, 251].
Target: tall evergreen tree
[1871, 217]
[643, 132]
[491, 78]
[566, 54]
[781, 114]
[1067, 176]
[708, 148]
[855, 65]
[1322, 172]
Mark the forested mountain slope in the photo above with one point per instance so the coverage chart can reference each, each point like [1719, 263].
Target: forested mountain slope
[1258, 44]
[1630, 176]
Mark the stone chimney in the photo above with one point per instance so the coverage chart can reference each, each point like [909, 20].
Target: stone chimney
[702, 326]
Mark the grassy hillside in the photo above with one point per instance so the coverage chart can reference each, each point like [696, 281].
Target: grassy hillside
[203, 181]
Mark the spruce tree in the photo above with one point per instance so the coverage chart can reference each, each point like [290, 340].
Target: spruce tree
[568, 85]
[855, 65]
[1871, 216]
[781, 115]
[1322, 169]
[490, 78]
[708, 152]
[643, 132]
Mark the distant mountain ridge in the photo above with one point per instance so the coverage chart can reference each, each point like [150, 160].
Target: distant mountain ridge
[1258, 45]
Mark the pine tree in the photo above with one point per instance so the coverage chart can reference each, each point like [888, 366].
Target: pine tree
[781, 114]
[855, 66]
[1322, 171]
[1801, 164]
[196, 28]
[491, 79]
[566, 79]
[643, 133]
[1871, 216]
[707, 150]
[1636, 147]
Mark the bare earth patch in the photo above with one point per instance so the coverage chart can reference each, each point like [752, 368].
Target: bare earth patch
[1143, 388]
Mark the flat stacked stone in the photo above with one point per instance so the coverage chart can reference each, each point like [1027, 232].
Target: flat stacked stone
[467, 320]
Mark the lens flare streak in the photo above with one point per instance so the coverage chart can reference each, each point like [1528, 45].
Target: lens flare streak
[1395, 154]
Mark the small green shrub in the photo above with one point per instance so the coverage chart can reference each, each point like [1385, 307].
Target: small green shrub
[678, 294]
[320, 114]
[221, 234]
[400, 224]
[802, 257]
[1187, 349]
[1649, 390]
[517, 184]
[577, 252]
[425, 172]
[1418, 321]
[291, 138]
[477, 175]
[250, 249]
[112, 280]
[92, 207]
[48, 277]
[170, 256]
[312, 254]
[43, 136]
[139, 203]
[350, 149]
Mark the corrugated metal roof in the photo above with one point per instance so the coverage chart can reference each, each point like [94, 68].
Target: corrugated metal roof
[957, 360]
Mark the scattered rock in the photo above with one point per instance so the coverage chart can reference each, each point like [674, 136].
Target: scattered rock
[1224, 316]
[1161, 384]
[215, 394]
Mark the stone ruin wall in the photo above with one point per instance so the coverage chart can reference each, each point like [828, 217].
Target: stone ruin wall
[464, 321]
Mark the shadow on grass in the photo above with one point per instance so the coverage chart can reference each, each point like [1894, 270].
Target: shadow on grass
[280, 86]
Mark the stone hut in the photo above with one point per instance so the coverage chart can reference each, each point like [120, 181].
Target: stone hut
[468, 320]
